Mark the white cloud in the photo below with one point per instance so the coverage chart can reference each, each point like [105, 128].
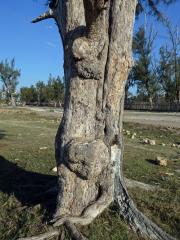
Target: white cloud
[51, 44]
[49, 26]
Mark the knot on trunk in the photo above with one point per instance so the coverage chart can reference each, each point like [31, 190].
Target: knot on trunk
[87, 160]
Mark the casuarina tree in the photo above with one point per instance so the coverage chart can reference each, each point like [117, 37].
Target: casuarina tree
[9, 77]
[97, 42]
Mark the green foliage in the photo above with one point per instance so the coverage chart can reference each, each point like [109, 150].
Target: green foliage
[28, 95]
[158, 80]
[41, 93]
[166, 74]
[9, 77]
[144, 72]
[55, 89]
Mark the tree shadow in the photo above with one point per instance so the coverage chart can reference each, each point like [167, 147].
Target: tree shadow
[28, 187]
[2, 134]
[152, 161]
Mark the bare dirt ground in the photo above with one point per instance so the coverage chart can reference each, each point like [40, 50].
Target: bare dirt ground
[164, 119]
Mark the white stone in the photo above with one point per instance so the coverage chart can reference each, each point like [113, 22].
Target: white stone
[54, 169]
[152, 142]
[43, 148]
[161, 161]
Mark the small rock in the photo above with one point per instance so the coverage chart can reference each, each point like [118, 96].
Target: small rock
[161, 161]
[132, 137]
[43, 148]
[145, 141]
[174, 145]
[54, 169]
[169, 174]
[149, 141]
[152, 142]
[163, 144]
[128, 132]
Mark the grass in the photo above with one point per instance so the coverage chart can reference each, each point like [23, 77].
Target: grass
[23, 164]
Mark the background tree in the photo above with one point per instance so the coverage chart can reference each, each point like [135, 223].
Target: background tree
[9, 77]
[41, 93]
[144, 72]
[55, 90]
[174, 38]
[97, 41]
[166, 74]
[28, 95]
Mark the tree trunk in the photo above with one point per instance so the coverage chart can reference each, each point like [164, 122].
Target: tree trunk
[97, 41]
[150, 98]
[97, 38]
[13, 100]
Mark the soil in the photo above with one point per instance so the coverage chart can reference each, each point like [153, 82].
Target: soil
[171, 120]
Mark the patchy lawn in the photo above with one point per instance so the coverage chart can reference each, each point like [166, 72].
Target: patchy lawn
[27, 159]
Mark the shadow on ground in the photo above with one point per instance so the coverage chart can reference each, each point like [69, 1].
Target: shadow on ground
[28, 187]
[152, 161]
[2, 134]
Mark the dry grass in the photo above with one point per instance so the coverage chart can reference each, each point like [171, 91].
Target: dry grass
[23, 165]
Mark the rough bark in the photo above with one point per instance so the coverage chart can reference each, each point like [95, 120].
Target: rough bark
[97, 39]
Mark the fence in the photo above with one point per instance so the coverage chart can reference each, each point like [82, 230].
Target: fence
[44, 104]
[159, 107]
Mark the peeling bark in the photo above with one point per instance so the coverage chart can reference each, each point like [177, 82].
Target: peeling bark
[97, 41]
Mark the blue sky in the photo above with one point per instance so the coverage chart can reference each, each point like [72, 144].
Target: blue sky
[37, 47]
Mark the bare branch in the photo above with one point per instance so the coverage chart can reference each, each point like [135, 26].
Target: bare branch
[44, 16]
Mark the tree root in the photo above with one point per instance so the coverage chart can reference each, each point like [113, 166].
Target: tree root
[44, 236]
[74, 232]
[136, 184]
[137, 221]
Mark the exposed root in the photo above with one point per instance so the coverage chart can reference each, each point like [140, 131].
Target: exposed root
[73, 231]
[74, 220]
[89, 214]
[44, 236]
[137, 221]
[136, 184]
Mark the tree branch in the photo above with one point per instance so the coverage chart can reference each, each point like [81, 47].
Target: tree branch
[44, 16]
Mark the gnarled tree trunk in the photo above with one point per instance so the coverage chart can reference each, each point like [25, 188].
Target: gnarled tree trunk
[97, 39]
